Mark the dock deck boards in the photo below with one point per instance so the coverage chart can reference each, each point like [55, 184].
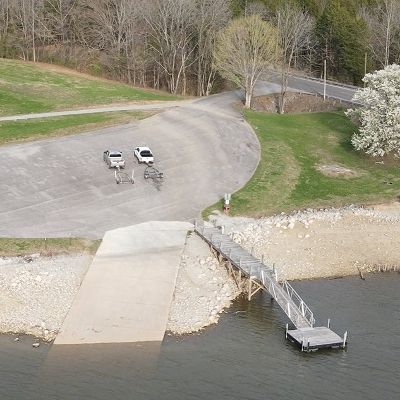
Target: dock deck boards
[315, 338]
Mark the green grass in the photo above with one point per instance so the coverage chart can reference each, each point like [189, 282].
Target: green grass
[39, 128]
[286, 178]
[10, 247]
[32, 88]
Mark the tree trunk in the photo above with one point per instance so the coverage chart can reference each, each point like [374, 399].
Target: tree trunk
[247, 103]
[284, 85]
[184, 82]
[33, 34]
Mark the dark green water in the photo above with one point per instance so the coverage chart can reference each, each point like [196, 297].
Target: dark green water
[245, 356]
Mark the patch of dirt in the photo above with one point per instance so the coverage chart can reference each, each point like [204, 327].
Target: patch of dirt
[297, 103]
[335, 170]
[71, 72]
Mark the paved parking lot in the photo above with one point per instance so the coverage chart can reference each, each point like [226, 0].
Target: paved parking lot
[61, 186]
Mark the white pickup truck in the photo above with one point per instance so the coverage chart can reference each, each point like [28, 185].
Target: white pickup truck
[143, 155]
[113, 159]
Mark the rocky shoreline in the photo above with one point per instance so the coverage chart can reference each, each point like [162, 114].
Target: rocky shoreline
[203, 289]
[37, 292]
[324, 243]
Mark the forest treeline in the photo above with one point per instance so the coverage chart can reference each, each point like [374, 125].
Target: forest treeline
[169, 44]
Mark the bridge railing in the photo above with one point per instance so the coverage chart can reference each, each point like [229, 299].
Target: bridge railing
[284, 294]
[301, 305]
[288, 299]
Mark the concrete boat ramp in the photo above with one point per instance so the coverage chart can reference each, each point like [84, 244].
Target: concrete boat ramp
[126, 294]
[127, 291]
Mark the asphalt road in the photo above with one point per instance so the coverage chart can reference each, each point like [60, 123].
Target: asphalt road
[316, 86]
[61, 186]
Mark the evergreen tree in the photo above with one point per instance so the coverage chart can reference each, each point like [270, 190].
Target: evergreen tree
[342, 38]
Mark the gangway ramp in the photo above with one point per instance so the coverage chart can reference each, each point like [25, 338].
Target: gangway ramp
[260, 276]
[126, 294]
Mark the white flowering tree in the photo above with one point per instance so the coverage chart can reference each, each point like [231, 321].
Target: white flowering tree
[379, 115]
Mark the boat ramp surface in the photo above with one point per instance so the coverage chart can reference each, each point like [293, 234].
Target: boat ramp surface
[127, 291]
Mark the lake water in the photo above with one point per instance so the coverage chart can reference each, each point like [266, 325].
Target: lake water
[245, 356]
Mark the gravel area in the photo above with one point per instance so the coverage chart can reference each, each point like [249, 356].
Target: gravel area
[203, 289]
[322, 243]
[37, 292]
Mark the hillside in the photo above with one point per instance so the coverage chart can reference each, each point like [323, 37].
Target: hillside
[31, 88]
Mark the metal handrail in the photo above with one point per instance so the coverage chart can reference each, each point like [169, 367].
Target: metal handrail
[300, 315]
[284, 294]
[301, 305]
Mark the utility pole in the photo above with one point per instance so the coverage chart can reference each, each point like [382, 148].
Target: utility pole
[324, 79]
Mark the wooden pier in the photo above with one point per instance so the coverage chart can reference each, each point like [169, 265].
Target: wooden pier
[252, 275]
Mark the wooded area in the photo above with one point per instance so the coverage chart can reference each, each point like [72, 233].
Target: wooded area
[169, 44]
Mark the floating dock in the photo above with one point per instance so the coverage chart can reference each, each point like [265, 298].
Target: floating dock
[315, 338]
[253, 275]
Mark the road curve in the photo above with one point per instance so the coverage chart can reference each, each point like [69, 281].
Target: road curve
[61, 186]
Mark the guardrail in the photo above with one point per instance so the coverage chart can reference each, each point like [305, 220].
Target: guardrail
[304, 309]
[284, 294]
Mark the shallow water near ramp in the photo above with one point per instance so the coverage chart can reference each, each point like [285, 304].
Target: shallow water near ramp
[245, 356]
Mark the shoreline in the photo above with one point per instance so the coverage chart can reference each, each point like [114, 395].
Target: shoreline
[36, 292]
[325, 243]
[37, 339]
[203, 289]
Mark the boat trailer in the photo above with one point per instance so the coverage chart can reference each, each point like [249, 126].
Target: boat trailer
[153, 173]
[123, 177]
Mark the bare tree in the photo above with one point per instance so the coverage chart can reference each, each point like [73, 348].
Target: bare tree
[27, 14]
[111, 29]
[170, 29]
[256, 7]
[245, 49]
[212, 16]
[295, 28]
[383, 22]
[59, 19]
[5, 17]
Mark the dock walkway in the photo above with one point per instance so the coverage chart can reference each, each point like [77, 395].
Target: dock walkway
[259, 276]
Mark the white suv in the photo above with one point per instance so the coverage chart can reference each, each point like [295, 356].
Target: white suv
[144, 155]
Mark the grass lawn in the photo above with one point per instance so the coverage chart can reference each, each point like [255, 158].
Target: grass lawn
[287, 179]
[18, 247]
[13, 131]
[31, 88]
